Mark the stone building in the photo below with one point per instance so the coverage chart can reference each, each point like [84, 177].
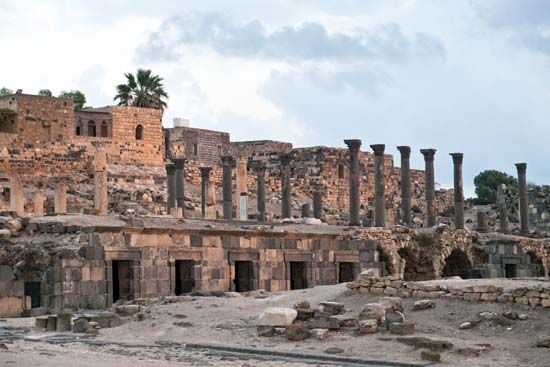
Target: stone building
[43, 140]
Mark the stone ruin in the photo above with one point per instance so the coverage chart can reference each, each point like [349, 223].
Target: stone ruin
[103, 206]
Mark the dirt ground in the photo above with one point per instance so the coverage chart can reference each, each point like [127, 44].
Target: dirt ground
[226, 320]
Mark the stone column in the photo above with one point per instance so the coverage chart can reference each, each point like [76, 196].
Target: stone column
[101, 188]
[354, 199]
[429, 185]
[318, 202]
[459, 190]
[261, 193]
[205, 182]
[171, 186]
[17, 195]
[180, 183]
[60, 200]
[502, 209]
[405, 185]
[286, 190]
[306, 210]
[523, 204]
[482, 221]
[227, 166]
[379, 186]
[242, 180]
[39, 203]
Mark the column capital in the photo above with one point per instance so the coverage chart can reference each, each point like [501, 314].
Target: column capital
[405, 151]
[378, 149]
[428, 154]
[170, 169]
[205, 172]
[227, 160]
[285, 159]
[179, 162]
[260, 169]
[353, 144]
[457, 157]
[521, 167]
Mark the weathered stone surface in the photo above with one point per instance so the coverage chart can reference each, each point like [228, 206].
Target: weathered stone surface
[394, 303]
[334, 350]
[392, 316]
[369, 326]
[277, 316]
[80, 325]
[41, 322]
[297, 332]
[512, 315]
[127, 310]
[265, 330]
[428, 355]
[423, 304]
[302, 304]
[333, 308]
[346, 320]
[304, 314]
[402, 328]
[543, 341]
[373, 311]
[323, 322]
[320, 334]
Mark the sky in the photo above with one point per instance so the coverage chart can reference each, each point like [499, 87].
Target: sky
[469, 76]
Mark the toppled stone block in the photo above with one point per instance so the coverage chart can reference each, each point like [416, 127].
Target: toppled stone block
[277, 316]
[297, 332]
[369, 326]
[52, 323]
[423, 304]
[302, 304]
[394, 303]
[346, 320]
[304, 314]
[512, 315]
[64, 321]
[323, 322]
[419, 342]
[333, 308]
[41, 322]
[402, 328]
[373, 311]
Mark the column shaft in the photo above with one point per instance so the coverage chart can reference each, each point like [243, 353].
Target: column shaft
[205, 178]
[261, 194]
[60, 200]
[523, 204]
[286, 191]
[180, 183]
[379, 186]
[459, 190]
[429, 186]
[318, 203]
[354, 193]
[17, 195]
[227, 165]
[171, 187]
[502, 209]
[405, 185]
[101, 188]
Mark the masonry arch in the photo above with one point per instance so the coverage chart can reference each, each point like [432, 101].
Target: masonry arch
[139, 132]
[78, 128]
[104, 131]
[457, 264]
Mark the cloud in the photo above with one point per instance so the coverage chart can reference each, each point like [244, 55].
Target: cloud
[306, 41]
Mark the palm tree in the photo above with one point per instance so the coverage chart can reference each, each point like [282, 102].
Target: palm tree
[142, 90]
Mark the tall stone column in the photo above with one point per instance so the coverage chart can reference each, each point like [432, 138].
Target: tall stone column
[39, 203]
[502, 209]
[17, 195]
[318, 202]
[429, 185]
[261, 193]
[180, 183]
[286, 190]
[60, 200]
[101, 188]
[379, 186]
[482, 221]
[405, 184]
[523, 204]
[242, 180]
[354, 199]
[227, 166]
[205, 182]
[171, 186]
[459, 190]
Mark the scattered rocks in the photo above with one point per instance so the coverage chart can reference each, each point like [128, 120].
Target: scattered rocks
[423, 304]
[183, 324]
[334, 350]
[543, 341]
[320, 334]
[127, 310]
[266, 331]
[297, 332]
[304, 314]
[323, 322]
[277, 316]
[394, 303]
[420, 342]
[346, 320]
[302, 304]
[373, 311]
[465, 325]
[522, 317]
[511, 315]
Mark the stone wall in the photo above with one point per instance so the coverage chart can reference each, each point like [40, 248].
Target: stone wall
[203, 147]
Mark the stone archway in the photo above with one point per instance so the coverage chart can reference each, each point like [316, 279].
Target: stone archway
[386, 264]
[457, 264]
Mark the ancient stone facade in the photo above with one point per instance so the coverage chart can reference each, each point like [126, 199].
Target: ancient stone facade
[48, 140]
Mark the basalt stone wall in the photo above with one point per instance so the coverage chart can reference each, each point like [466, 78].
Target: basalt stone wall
[199, 146]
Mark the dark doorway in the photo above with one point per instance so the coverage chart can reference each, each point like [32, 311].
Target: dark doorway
[244, 273]
[298, 275]
[185, 280]
[32, 289]
[510, 270]
[537, 269]
[346, 272]
[122, 280]
[457, 264]
[386, 267]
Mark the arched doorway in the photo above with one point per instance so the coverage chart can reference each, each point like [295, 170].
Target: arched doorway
[91, 128]
[457, 264]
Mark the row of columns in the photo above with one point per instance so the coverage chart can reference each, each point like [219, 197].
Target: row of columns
[17, 198]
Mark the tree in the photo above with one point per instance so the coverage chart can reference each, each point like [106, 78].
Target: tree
[142, 90]
[45, 92]
[487, 182]
[5, 92]
[77, 96]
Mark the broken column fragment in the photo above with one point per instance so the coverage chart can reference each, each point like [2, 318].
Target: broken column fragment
[17, 194]
[318, 202]
[60, 200]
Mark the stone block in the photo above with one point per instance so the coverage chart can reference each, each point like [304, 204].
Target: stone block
[489, 297]
[52, 323]
[472, 297]
[64, 321]
[369, 326]
[402, 328]
[333, 308]
[41, 323]
[277, 316]
[297, 332]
